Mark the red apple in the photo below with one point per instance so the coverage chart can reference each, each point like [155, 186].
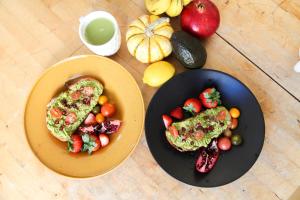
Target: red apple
[200, 18]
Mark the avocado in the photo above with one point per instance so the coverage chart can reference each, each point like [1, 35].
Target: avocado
[188, 50]
[65, 104]
[198, 131]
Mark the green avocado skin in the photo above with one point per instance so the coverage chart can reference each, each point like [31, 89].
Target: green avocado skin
[184, 143]
[188, 50]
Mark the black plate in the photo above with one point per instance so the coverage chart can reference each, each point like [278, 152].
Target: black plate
[232, 164]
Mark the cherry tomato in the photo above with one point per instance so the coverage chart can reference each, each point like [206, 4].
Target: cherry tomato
[71, 118]
[234, 123]
[224, 143]
[88, 90]
[234, 112]
[56, 113]
[96, 109]
[199, 135]
[100, 118]
[221, 115]
[228, 133]
[75, 95]
[236, 139]
[108, 110]
[102, 100]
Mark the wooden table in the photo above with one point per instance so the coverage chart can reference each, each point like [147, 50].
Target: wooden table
[257, 42]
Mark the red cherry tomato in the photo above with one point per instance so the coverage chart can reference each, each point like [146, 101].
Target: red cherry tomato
[71, 118]
[75, 95]
[108, 110]
[224, 143]
[56, 113]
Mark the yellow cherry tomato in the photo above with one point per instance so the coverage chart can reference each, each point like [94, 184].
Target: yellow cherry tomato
[234, 112]
[102, 99]
[100, 118]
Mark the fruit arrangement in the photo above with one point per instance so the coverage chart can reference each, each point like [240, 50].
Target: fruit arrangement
[203, 124]
[151, 38]
[81, 116]
[94, 133]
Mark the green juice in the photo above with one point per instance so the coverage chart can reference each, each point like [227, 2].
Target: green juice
[99, 31]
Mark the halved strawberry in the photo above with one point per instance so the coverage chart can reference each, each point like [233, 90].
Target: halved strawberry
[75, 144]
[90, 119]
[104, 139]
[87, 129]
[177, 113]
[173, 131]
[167, 120]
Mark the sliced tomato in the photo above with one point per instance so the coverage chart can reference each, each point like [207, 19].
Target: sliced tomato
[173, 131]
[75, 95]
[71, 118]
[56, 113]
[88, 90]
[221, 115]
[199, 135]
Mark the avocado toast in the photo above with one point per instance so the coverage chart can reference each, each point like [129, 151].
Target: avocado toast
[70, 108]
[198, 131]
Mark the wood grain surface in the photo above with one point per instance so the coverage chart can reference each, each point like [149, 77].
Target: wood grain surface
[257, 42]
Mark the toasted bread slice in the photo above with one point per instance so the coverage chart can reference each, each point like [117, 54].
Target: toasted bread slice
[69, 109]
[198, 131]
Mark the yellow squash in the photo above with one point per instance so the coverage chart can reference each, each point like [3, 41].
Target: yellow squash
[148, 38]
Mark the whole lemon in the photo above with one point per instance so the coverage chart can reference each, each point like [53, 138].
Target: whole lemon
[158, 73]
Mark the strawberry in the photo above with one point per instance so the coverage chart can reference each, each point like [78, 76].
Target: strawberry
[210, 98]
[104, 139]
[174, 131]
[192, 105]
[167, 120]
[75, 143]
[177, 113]
[91, 143]
[86, 129]
[90, 119]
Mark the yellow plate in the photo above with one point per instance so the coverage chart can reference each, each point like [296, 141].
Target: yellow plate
[119, 86]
